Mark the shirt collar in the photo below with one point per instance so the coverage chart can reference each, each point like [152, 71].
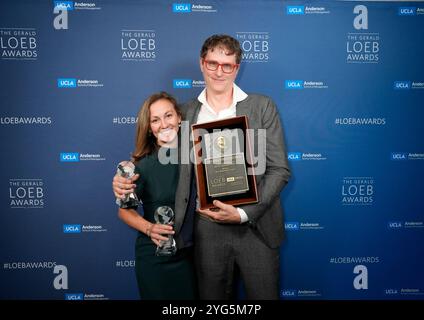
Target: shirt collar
[238, 95]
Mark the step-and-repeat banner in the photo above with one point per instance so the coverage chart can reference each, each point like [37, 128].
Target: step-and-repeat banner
[348, 79]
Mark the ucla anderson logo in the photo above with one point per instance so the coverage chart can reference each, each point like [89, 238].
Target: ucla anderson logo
[394, 224]
[306, 10]
[74, 83]
[398, 156]
[407, 11]
[71, 228]
[182, 83]
[294, 156]
[293, 84]
[74, 296]
[181, 7]
[74, 5]
[288, 293]
[64, 5]
[291, 225]
[69, 157]
[407, 85]
[66, 83]
[295, 10]
[402, 85]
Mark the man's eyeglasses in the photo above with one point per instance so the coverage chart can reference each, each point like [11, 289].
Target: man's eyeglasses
[225, 67]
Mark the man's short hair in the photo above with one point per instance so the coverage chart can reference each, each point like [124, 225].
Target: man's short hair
[230, 44]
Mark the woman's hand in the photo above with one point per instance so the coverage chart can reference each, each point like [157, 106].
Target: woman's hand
[158, 232]
[122, 186]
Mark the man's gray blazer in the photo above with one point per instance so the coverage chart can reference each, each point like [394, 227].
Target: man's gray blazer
[266, 216]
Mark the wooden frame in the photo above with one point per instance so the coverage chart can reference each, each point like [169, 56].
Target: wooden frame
[198, 130]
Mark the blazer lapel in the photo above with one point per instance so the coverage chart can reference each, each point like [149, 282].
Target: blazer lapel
[186, 170]
[243, 108]
[191, 116]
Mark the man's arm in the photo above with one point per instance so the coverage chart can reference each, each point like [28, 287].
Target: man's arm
[277, 172]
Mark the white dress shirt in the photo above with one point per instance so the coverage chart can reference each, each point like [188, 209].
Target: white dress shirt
[207, 114]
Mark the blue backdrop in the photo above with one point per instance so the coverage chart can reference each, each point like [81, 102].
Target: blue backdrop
[348, 79]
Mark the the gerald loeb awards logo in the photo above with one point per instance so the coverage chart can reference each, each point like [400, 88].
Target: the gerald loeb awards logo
[357, 191]
[18, 43]
[362, 46]
[255, 45]
[138, 45]
[26, 193]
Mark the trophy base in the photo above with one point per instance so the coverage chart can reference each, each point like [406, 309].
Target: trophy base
[131, 203]
[167, 250]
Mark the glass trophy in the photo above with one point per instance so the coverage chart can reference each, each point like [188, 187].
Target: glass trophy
[126, 169]
[165, 215]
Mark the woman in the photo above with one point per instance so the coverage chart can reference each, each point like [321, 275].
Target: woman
[158, 277]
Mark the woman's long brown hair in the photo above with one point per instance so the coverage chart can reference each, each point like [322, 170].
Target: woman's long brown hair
[145, 141]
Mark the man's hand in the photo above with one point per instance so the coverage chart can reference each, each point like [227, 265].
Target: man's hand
[226, 213]
[122, 186]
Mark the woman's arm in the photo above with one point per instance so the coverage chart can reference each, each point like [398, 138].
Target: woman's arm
[154, 231]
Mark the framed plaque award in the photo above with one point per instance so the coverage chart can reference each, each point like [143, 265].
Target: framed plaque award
[223, 166]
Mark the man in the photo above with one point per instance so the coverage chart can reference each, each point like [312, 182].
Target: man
[231, 240]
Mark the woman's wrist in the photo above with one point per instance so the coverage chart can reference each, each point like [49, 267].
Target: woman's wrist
[149, 229]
